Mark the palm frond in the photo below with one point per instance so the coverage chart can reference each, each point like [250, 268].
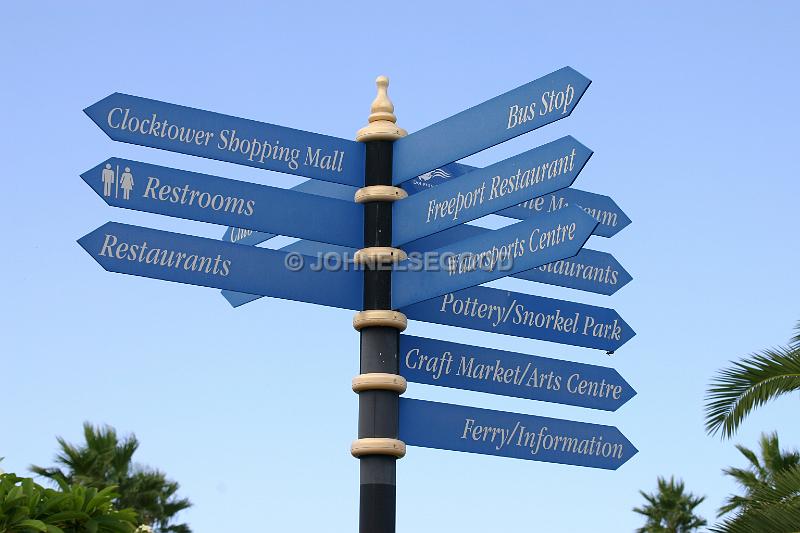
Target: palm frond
[777, 510]
[750, 383]
[795, 342]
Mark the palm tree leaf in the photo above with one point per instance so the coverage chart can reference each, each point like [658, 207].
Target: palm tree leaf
[775, 507]
[750, 455]
[670, 508]
[750, 383]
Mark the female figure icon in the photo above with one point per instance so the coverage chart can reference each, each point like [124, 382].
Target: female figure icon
[126, 182]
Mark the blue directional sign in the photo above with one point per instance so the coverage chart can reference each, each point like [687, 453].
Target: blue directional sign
[186, 130]
[492, 255]
[178, 193]
[169, 256]
[504, 117]
[589, 270]
[435, 177]
[610, 218]
[315, 187]
[524, 315]
[484, 191]
[536, 438]
[448, 364]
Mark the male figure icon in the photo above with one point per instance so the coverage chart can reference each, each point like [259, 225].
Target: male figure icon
[108, 179]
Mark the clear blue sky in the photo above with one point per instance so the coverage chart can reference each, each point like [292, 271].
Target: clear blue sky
[693, 121]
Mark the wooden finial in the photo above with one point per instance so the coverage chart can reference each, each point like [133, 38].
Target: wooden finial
[382, 121]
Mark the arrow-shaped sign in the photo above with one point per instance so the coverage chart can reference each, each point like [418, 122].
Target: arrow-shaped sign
[315, 187]
[186, 130]
[492, 255]
[511, 313]
[178, 193]
[525, 315]
[169, 256]
[504, 117]
[481, 192]
[448, 364]
[588, 270]
[611, 219]
[536, 438]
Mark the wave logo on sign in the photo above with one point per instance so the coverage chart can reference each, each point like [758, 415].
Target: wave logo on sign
[436, 175]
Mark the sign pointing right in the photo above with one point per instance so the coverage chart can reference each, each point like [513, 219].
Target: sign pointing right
[492, 255]
[448, 364]
[483, 191]
[526, 315]
[536, 438]
[504, 117]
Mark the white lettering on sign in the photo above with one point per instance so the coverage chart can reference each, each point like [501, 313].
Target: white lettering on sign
[504, 255]
[575, 269]
[434, 365]
[534, 375]
[541, 440]
[259, 150]
[450, 208]
[227, 140]
[142, 253]
[186, 195]
[119, 118]
[556, 202]
[517, 314]
[237, 234]
[551, 102]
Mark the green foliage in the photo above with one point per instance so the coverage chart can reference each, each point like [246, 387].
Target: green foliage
[760, 473]
[106, 460]
[771, 503]
[670, 509]
[26, 507]
[771, 508]
[750, 383]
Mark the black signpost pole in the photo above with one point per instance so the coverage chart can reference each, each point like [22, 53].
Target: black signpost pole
[378, 385]
[377, 416]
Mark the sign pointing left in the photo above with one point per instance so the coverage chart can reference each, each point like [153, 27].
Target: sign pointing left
[169, 256]
[194, 196]
[186, 130]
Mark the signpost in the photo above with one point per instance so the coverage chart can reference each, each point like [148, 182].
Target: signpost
[536, 438]
[589, 270]
[492, 255]
[484, 191]
[448, 364]
[504, 117]
[437, 281]
[186, 130]
[524, 315]
[178, 193]
[150, 253]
